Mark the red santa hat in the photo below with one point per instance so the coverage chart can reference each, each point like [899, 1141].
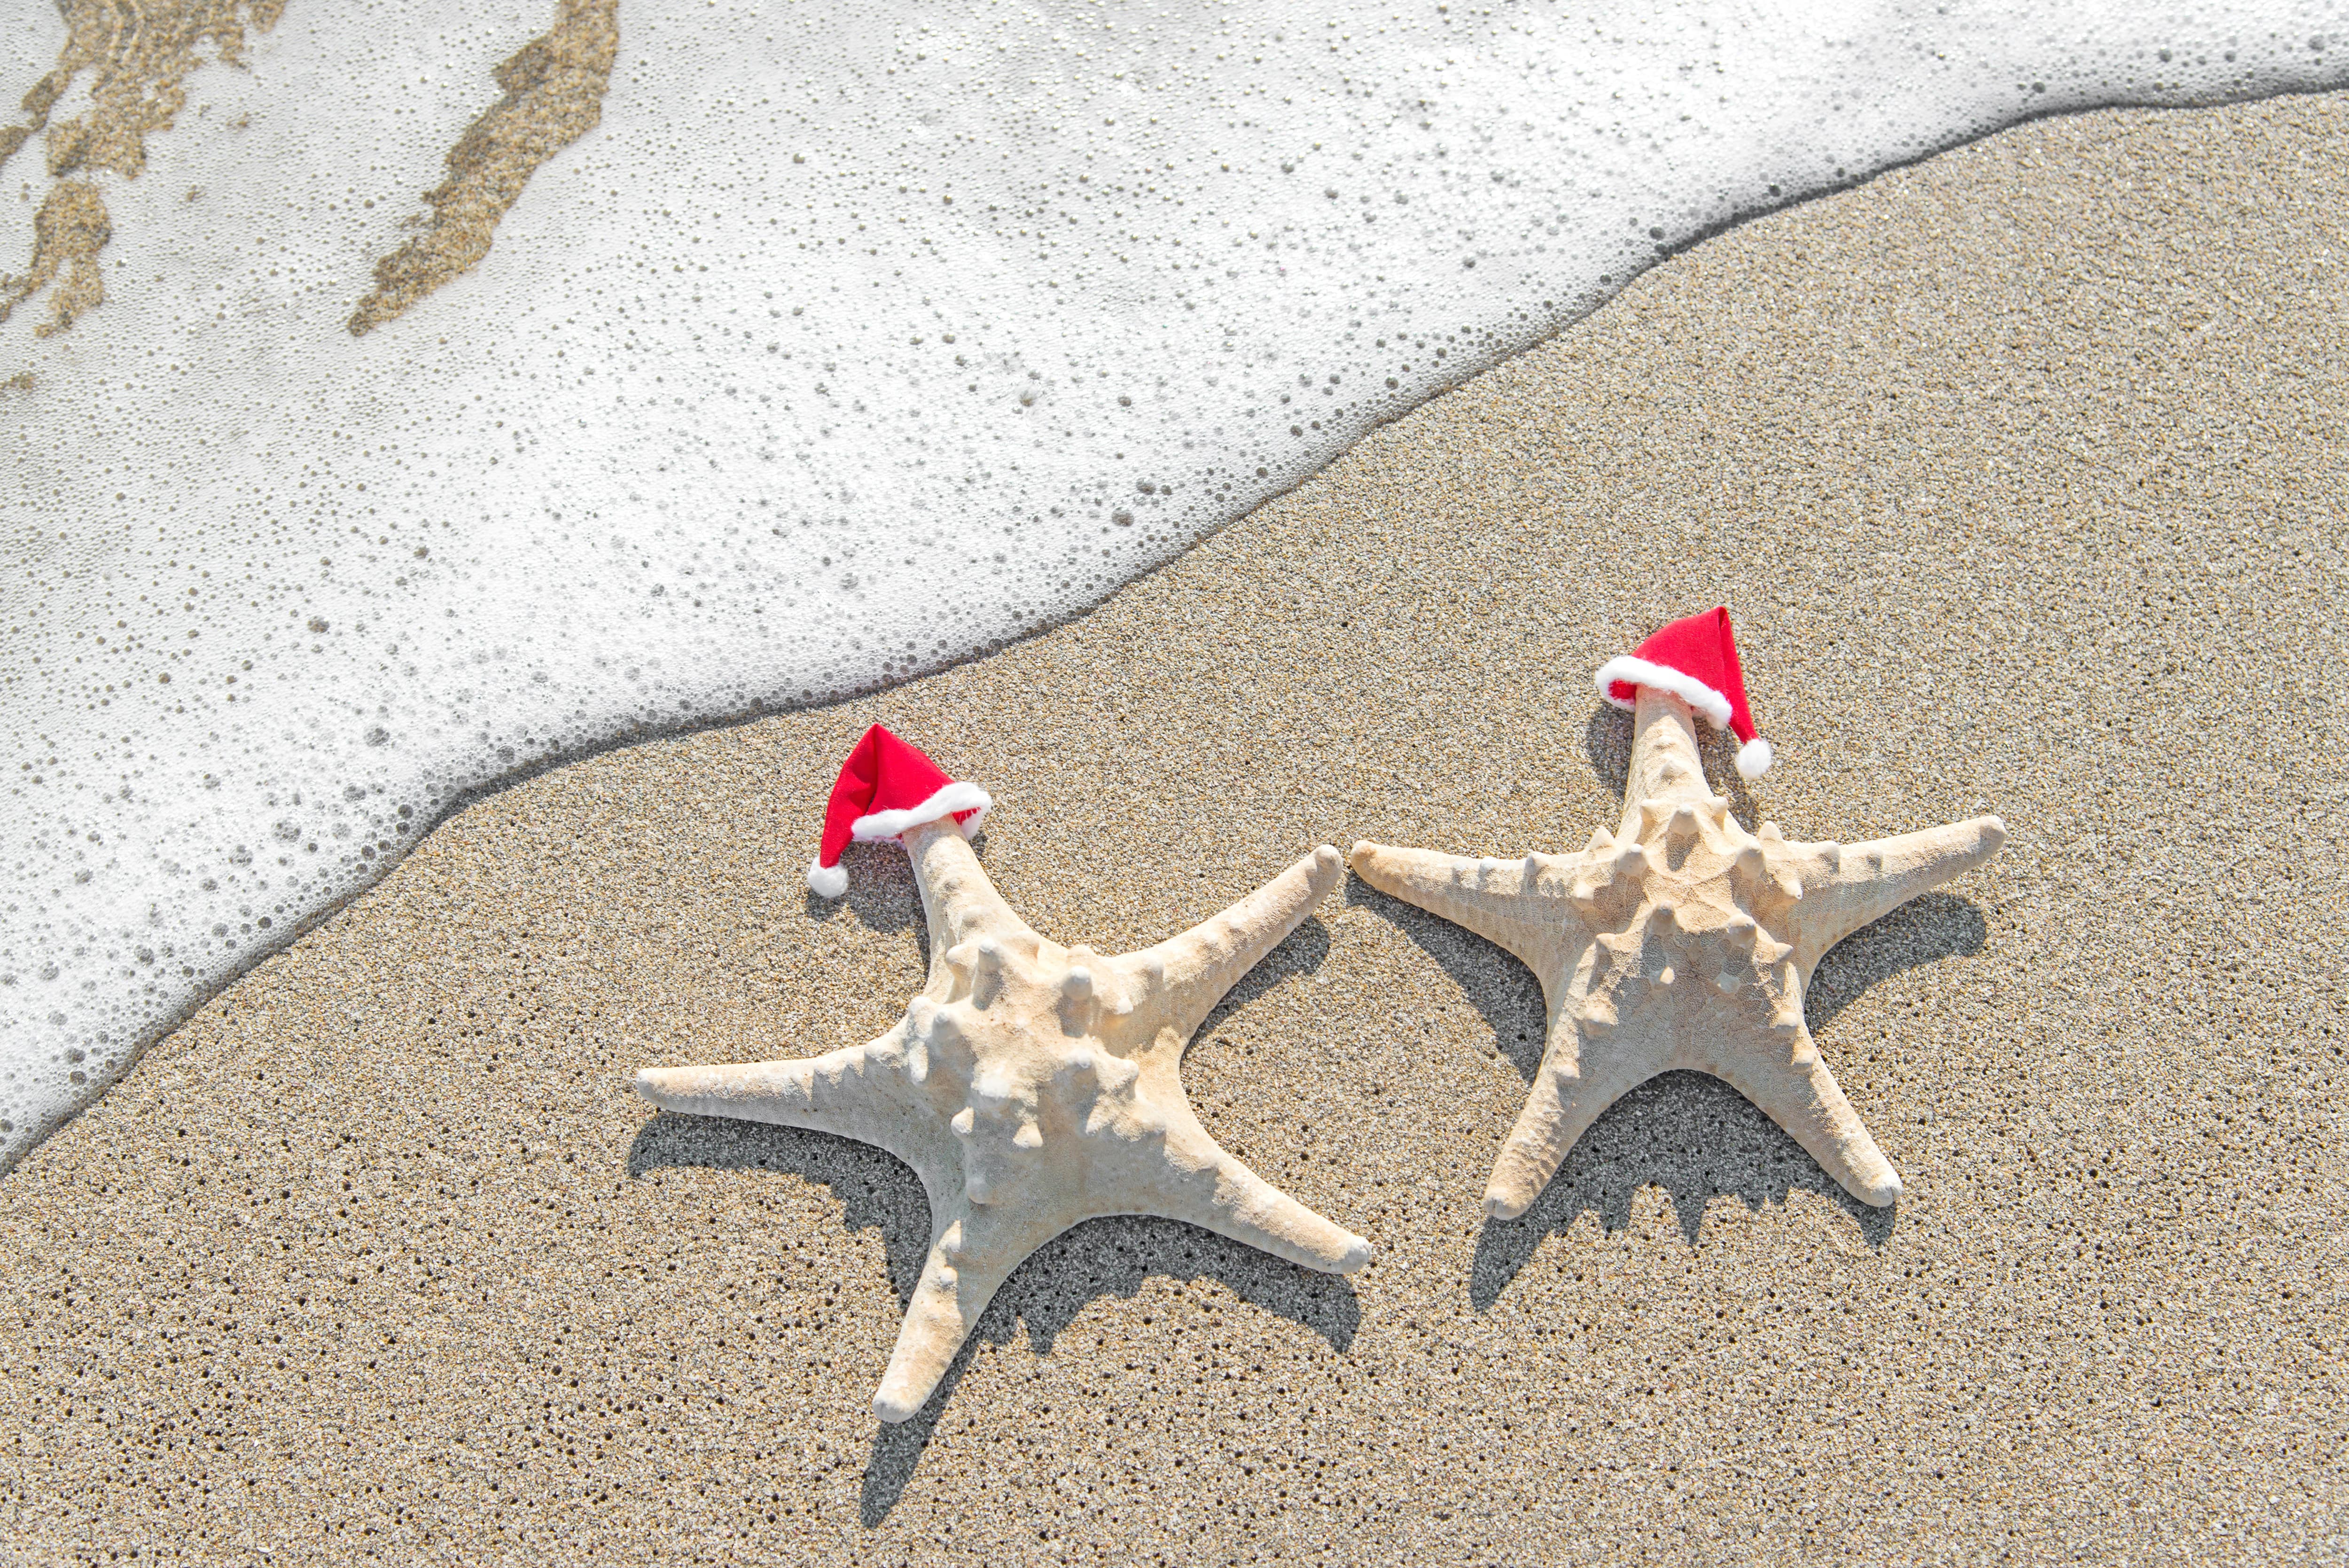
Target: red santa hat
[885, 788]
[1695, 659]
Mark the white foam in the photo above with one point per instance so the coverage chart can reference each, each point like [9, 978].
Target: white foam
[855, 341]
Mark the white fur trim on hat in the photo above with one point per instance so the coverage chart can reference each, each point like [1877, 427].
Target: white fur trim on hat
[948, 800]
[828, 882]
[1663, 678]
[1753, 759]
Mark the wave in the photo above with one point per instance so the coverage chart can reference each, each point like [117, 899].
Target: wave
[854, 341]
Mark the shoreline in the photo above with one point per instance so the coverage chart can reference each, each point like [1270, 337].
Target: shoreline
[2015, 467]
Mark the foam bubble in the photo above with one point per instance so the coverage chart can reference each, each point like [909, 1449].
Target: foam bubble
[856, 340]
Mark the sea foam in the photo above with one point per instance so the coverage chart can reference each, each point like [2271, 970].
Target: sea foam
[858, 339]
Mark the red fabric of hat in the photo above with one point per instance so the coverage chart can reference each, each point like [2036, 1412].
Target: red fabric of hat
[1695, 659]
[885, 788]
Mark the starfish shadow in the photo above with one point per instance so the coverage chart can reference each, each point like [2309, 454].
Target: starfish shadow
[881, 894]
[1698, 1138]
[1113, 1256]
[1504, 991]
[1606, 741]
[1301, 952]
[874, 1189]
[1937, 925]
[1687, 1132]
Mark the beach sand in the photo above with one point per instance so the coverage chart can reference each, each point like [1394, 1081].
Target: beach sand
[2024, 472]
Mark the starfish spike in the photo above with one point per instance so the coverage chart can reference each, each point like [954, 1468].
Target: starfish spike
[1500, 900]
[970, 1257]
[857, 1091]
[1034, 1086]
[1850, 886]
[1216, 1193]
[1679, 941]
[1183, 978]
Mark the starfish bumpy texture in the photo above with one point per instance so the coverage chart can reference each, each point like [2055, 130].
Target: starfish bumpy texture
[1681, 941]
[1034, 1086]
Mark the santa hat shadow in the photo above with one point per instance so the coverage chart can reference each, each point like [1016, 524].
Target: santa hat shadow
[1695, 659]
[885, 788]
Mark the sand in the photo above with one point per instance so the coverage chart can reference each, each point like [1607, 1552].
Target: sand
[2024, 472]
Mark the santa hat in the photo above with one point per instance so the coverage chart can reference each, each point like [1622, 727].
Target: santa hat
[1695, 659]
[885, 788]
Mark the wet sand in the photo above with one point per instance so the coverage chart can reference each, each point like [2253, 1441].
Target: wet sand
[2024, 472]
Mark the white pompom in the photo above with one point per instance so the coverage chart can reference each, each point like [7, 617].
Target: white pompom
[829, 882]
[1753, 759]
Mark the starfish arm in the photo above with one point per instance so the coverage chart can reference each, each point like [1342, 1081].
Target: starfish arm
[1846, 888]
[971, 1254]
[957, 898]
[1191, 1177]
[1586, 1069]
[1495, 899]
[857, 1091]
[1791, 1084]
[1177, 983]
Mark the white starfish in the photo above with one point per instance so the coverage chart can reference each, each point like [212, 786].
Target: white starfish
[1034, 1086]
[1682, 940]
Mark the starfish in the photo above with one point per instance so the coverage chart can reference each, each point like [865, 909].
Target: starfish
[1682, 940]
[1034, 1086]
